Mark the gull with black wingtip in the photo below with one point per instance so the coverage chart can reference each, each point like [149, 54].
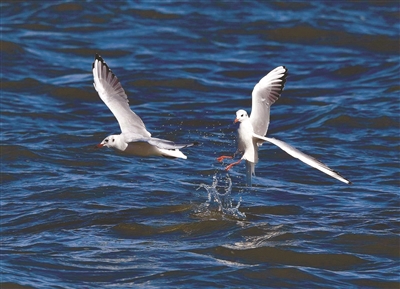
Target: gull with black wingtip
[134, 138]
[252, 130]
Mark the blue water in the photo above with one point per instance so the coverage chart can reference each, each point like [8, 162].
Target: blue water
[76, 217]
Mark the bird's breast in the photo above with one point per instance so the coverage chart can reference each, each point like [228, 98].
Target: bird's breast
[142, 149]
[245, 135]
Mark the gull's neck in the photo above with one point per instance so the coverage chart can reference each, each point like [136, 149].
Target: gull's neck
[120, 143]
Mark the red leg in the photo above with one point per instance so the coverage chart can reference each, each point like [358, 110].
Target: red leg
[232, 164]
[221, 158]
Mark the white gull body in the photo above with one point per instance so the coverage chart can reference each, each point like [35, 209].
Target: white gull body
[134, 138]
[252, 130]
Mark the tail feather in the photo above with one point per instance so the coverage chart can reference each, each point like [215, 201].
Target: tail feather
[172, 153]
[250, 171]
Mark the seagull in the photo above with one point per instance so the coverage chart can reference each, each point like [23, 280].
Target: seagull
[252, 130]
[134, 138]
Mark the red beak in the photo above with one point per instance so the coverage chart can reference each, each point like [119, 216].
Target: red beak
[236, 120]
[99, 146]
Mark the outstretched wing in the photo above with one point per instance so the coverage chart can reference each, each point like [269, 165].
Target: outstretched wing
[264, 94]
[309, 160]
[169, 145]
[113, 95]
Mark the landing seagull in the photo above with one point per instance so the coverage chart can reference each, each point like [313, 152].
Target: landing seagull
[134, 138]
[252, 130]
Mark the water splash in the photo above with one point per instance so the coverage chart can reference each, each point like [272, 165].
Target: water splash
[223, 200]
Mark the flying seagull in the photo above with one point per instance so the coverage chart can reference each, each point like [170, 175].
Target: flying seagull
[252, 130]
[134, 138]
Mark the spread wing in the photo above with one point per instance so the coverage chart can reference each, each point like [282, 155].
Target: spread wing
[169, 145]
[264, 94]
[113, 95]
[309, 160]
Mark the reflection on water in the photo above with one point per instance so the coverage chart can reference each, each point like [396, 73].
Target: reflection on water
[222, 200]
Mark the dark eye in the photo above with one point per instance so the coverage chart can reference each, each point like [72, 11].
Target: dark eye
[113, 140]
[106, 140]
[242, 115]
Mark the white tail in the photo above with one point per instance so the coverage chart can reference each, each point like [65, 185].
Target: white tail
[172, 153]
[249, 172]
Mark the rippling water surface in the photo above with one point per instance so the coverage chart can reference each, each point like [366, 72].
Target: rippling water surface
[76, 217]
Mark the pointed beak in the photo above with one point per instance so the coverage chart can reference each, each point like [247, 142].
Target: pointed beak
[236, 120]
[99, 146]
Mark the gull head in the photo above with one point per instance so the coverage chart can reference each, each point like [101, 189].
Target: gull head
[241, 115]
[109, 142]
